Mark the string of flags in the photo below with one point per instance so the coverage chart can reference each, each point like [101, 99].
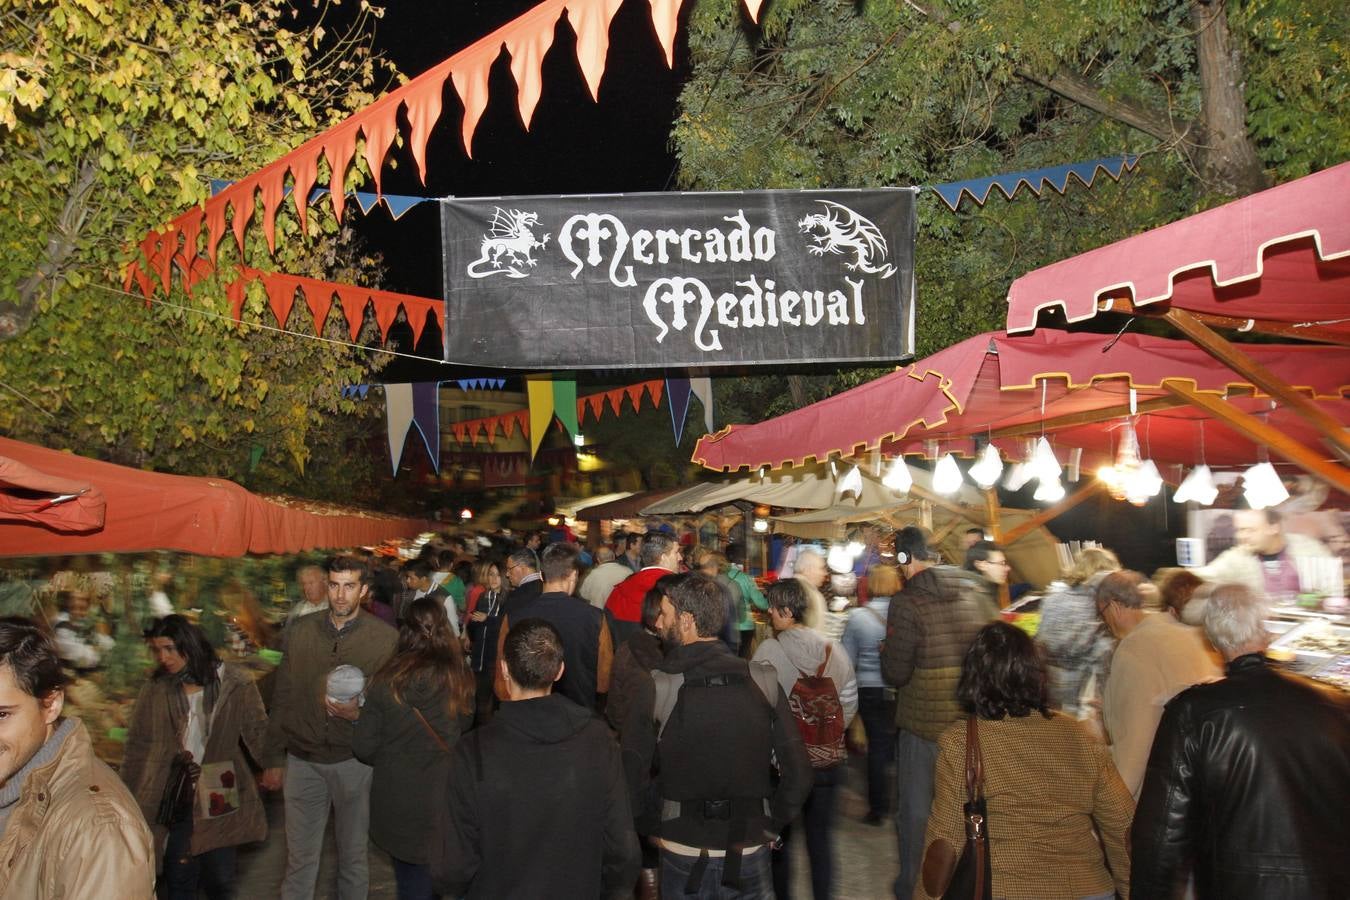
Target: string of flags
[1036, 180]
[415, 405]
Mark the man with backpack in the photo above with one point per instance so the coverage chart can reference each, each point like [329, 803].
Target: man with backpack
[817, 677]
[700, 750]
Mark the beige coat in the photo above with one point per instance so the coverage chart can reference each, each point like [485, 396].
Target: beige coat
[75, 833]
[153, 739]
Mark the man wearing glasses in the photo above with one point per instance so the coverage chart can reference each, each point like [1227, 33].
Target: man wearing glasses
[522, 570]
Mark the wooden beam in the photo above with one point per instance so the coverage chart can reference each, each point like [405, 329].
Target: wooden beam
[1333, 473]
[1315, 333]
[1027, 526]
[939, 500]
[1212, 343]
[1089, 417]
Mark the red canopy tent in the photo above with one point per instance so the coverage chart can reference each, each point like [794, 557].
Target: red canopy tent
[1063, 385]
[27, 495]
[1277, 262]
[154, 511]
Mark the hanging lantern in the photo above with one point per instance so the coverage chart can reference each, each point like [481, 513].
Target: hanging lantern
[1142, 483]
[851, 483]
[1197, 487]
[1050, 490]
[897, 477]
[988, 467]
[1018, 475]
[1044, 464]
[1262, 487]
[947, 475]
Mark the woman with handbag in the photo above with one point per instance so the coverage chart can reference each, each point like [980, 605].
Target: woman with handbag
[416, 708]
[1026, 791]
[185, 760]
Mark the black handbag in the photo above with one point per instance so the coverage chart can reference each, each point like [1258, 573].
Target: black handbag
[972, 878]
[175, 804]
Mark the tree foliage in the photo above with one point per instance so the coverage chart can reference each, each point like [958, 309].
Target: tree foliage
[113, 115]
[835, 93]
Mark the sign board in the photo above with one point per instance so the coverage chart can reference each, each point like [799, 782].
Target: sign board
[679, 280]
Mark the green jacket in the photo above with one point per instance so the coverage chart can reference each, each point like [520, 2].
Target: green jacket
[299, 723]
[750, 592]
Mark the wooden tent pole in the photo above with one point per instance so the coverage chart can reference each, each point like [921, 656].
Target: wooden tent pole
[1026, 526]
[1302, 332]
[1212, 343]
[1249, 426]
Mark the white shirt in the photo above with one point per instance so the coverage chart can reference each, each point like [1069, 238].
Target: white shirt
[194, 738]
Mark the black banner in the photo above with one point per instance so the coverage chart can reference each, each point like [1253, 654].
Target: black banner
[680, 279]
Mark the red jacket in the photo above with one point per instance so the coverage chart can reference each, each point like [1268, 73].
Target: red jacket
[625, 601]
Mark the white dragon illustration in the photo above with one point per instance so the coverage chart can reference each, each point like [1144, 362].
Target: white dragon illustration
[841, 230]
[509, 245]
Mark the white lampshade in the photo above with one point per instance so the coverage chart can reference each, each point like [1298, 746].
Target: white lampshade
[1143, 483]
[1197, 487]
[1262, 487]
[1044, 464]
[897, 477]
[1018, 475]
[851, 483]
[988, 467]
[947, 475]
[1050, 490]
[839, 559]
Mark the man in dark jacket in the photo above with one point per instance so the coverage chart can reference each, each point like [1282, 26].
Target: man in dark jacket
[712, 801]
[929, 627]
[1248, 776]
[587, 645]
[535, 803]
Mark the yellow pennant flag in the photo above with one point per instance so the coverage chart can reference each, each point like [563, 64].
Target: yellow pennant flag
[540, 393]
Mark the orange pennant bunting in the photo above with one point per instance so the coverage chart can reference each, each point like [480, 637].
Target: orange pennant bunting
[666, 19]
[423, 102]
[386, 313]
[380, 124]
[234, 292]
[272, 182]
[353, 307]
[304, 172]
[339, 148]
[654, 391]
[281, 297]
[634, 392]
[527, 50]
[590, 21]
[752, 7]
[615, 398]
[191, 228]
[241, 201]
[471, 83]
[319, 299]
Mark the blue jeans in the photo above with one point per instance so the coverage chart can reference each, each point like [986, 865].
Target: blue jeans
[817, 823]
[914, 762]
[878, 718]
[212, 871]
[756, 880]
[413, 881]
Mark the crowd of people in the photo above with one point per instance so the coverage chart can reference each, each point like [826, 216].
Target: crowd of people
[532, 719]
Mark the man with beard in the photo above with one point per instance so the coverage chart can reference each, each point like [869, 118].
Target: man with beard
[700, 748]
[310, 734]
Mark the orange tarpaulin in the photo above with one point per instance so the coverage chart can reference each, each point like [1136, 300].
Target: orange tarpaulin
[28, 495]
[207, 516]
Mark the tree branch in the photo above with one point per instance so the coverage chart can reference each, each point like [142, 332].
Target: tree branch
[1080, 90]
[61, 244]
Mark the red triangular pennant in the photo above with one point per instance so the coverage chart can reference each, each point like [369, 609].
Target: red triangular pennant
[634, 392]
[665, 20]
[418, 312]
[304, 172]
[339, 148]
[380, 124]
[241, 200]
[320, 302]
[654, 390]
[527, 60]
[423, 100]
[615, 398]
[234, 292]
[590, 20]
[386, 313]
[470, 78]
[280, 297]
[272, 182]
[190, 227]
[353, 307]
[215, 226]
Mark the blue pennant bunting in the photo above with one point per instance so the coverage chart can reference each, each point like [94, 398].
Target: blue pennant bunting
[677, 395]
[426, 414]
[355, 391]
[479, 384]
[397, 204]
[1037, 180]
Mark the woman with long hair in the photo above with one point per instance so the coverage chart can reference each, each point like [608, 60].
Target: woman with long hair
[1076, 642]
[482, 626]
[416, 708]
[1058, 813]
[206, 714]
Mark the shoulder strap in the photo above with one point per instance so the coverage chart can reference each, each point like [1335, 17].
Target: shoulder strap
[974, 762]
[821, 671]
[431, 731]
[668, 686]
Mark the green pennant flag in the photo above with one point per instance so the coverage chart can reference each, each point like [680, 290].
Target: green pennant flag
[565, 404]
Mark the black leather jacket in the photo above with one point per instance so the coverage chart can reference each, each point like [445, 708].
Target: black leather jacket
[1247, 782]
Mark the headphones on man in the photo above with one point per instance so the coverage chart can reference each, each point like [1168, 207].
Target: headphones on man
[911, 544]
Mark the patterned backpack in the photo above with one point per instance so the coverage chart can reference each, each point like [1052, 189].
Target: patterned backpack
[815, 705]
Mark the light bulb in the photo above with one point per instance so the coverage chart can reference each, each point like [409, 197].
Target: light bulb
[1262, 487]
[761, 526]
[839, 559]
[851, 483]
[855, 548]
[947, 475]
[988, 467]
[1050, 490]
[1197, 487]
[897, 477]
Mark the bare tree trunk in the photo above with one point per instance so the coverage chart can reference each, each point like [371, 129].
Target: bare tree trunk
[1227, 157]
[61, 244]
[797, 390]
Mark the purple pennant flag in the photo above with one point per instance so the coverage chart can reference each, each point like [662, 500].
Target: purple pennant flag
[677, 395]
[427, 418]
